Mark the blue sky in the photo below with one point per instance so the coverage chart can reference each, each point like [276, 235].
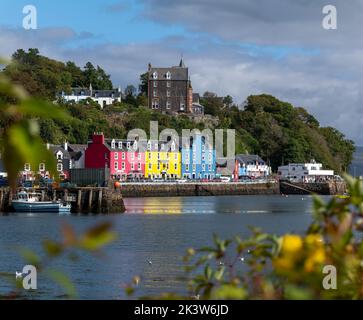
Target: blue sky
[235, 47]
[107, 20]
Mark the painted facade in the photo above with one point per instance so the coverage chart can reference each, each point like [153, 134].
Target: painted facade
[162, 160]
[124, 158]
[198, 159]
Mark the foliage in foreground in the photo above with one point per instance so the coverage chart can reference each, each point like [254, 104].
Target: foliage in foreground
[292, 266]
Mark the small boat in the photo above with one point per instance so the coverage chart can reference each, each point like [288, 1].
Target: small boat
[29, 202]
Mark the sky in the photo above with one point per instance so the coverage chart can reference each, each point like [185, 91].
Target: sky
[235, 47]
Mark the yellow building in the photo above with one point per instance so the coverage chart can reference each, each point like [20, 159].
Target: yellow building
[162, 160]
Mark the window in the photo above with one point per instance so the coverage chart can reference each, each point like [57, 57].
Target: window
[59, 167]
[155, 93]
[210, 156]
[132, 166]
[168, 104]
[187, 167]
[203, 156]
[123, 155]
[156, 146]
[155, 84]
[116, 165]
[149, 145]
[175, 156]
[168, 75]
[59, 155]
[173, 146]
[168, 84]
[41, 167]
[209, 167]
[182, 106]
[158, 165]
[27, 167]
[120, 145]
[194, 167]
[203, 167]
[116, 155]
[139, 166]
[158, 155]
[175, 166]
[149, 155]
[155, 75]
[168, 93]
[113, 144]
[155, 104]
[132, 156]
[150, 166]
[194, 156]
[123, 165]
[128, 145]
[139, 156]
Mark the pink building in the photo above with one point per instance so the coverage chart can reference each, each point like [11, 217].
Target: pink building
[123, 157]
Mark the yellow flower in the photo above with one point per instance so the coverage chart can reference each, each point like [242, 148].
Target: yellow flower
[291, 244]
[283, 263]
[314, 240]
[315, 259]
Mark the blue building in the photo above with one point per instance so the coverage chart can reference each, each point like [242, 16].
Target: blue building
[198, 158]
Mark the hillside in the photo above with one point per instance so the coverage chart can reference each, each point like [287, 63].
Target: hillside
[274, 129]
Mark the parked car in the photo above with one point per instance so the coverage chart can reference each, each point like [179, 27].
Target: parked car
[226, 179]
[181, 180]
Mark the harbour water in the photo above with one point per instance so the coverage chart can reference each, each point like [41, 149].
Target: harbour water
[153, 229]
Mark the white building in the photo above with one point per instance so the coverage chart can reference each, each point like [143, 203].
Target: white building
[305, 172]
[102, 97]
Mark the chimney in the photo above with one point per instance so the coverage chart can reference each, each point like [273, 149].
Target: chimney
[149, 66]
[48, 146]
[98, 138]
[66, 145]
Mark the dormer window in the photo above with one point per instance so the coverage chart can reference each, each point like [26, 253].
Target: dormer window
[120, 145]
[135, 145]
[173, 146]
[155, 75]
[168, 75]
[59, 155]
[149, 145]
[113, 144]
[128, 145]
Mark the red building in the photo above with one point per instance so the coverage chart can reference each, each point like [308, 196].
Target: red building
[122, 157]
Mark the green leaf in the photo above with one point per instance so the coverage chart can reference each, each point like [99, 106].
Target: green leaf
[97, 237]
[23, 145]
[64, 281]
[30, 256]
[52, 248]
[38, 108]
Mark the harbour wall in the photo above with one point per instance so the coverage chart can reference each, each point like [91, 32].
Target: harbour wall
[322, 188]
[165, 189]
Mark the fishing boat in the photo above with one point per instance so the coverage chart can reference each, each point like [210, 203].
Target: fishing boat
[29, 202]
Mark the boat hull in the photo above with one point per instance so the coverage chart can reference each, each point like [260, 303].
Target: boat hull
[41, 207]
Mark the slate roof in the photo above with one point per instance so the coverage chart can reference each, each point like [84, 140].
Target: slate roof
[54, 149]
[249, 159]
[177, 73]
[115, 93]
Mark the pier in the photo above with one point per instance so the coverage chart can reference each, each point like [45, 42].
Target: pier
[87, 200]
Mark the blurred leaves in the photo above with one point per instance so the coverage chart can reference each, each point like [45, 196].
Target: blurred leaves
[21, 142]
[290, 266]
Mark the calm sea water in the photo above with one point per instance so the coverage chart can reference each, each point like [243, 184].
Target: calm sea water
[156, 229]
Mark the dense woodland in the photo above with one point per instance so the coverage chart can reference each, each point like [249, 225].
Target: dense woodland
[264, 125]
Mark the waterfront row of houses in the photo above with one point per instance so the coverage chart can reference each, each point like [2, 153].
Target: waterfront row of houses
[193, 159]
